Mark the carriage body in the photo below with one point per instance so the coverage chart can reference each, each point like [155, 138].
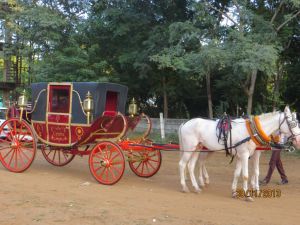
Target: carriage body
[59, 119]
[62, 125]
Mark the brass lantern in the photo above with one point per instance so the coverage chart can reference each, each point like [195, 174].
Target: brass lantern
[22, 102]
[133, 108]
[88, 107]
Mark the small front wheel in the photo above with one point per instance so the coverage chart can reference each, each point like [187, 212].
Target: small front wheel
[17, 145]
[145, 163]
[107, 163]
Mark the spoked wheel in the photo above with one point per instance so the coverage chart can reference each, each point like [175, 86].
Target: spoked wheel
[57, 157]
[107, 163]
[145, 163]
[17, 145]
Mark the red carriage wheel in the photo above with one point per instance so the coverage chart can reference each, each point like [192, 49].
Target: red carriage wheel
[57, 157]
[107, 163]
[145, 163]
[12, 112]
[17, 145]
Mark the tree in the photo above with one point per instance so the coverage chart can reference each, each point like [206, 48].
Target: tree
[128, 33]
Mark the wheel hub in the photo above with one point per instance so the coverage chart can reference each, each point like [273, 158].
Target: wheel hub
[14, 144]
[145, 158]
[105, 163]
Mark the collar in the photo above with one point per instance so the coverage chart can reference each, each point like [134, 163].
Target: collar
[257, 134]
[260, 131]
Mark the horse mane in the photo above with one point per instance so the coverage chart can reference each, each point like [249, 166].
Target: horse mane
[268, 115]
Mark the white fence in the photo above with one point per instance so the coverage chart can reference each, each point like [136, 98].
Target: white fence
[171, 125]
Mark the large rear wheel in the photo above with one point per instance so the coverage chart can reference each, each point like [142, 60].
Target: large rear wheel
[107, 163]
[17, 145]
[145, 163]
[57, 157]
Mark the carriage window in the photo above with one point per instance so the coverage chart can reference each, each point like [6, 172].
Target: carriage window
[60, 99]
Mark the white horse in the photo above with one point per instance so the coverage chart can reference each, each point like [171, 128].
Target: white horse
[202, 132]
[254, 159]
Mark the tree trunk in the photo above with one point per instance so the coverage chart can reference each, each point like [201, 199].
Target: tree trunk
[165, 97]
[30, 63]
[209, 98]
[251, 91]
[7, 63]
[276, 92]
[7, 54]
[277, 79]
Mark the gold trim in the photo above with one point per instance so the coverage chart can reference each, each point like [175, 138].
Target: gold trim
[72, 124]
[36, 101]
[54, 113]
[55, 144]
[60, 114]
[81, 102]
[81, 124]
[105, 133]
[49, 142]
[146, 133]
[60, 124]
[70, 111]
[36, 121]
[122, 133]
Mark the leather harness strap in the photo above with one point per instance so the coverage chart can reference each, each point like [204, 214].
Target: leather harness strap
[250, 131]
[257, 134]
[275, 138]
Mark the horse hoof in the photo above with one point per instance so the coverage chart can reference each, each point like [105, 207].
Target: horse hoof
[197, 191]
[202, 185]
[234, 195]
[249, 199]
[185, 190]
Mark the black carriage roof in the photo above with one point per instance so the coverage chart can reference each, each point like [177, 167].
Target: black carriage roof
[98, 91]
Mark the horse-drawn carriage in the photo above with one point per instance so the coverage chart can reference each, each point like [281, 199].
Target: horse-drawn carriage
[80, 118]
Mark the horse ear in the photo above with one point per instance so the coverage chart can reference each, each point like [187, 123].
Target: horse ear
[294, 116]
[287, 109]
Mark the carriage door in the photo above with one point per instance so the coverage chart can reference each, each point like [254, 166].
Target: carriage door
[111, 103]
[59, 114]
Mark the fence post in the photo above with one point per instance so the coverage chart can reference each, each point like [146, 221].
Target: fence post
[162, 126]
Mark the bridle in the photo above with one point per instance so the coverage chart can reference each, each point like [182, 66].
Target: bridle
[292, 122]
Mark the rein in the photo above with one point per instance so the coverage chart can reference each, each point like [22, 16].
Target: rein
[224, 131]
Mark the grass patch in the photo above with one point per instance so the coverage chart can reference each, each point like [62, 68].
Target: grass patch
[155, 137]
[293, 154]
[169, 138]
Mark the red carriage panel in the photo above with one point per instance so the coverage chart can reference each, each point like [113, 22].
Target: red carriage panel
[78, 131]
[59, 134]
[105, 128]
[56, 118]
[40, 129]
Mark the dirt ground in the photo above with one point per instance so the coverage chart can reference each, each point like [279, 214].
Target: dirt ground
[45, 194]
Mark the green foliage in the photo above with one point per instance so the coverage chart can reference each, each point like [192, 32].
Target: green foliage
[163, 46]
